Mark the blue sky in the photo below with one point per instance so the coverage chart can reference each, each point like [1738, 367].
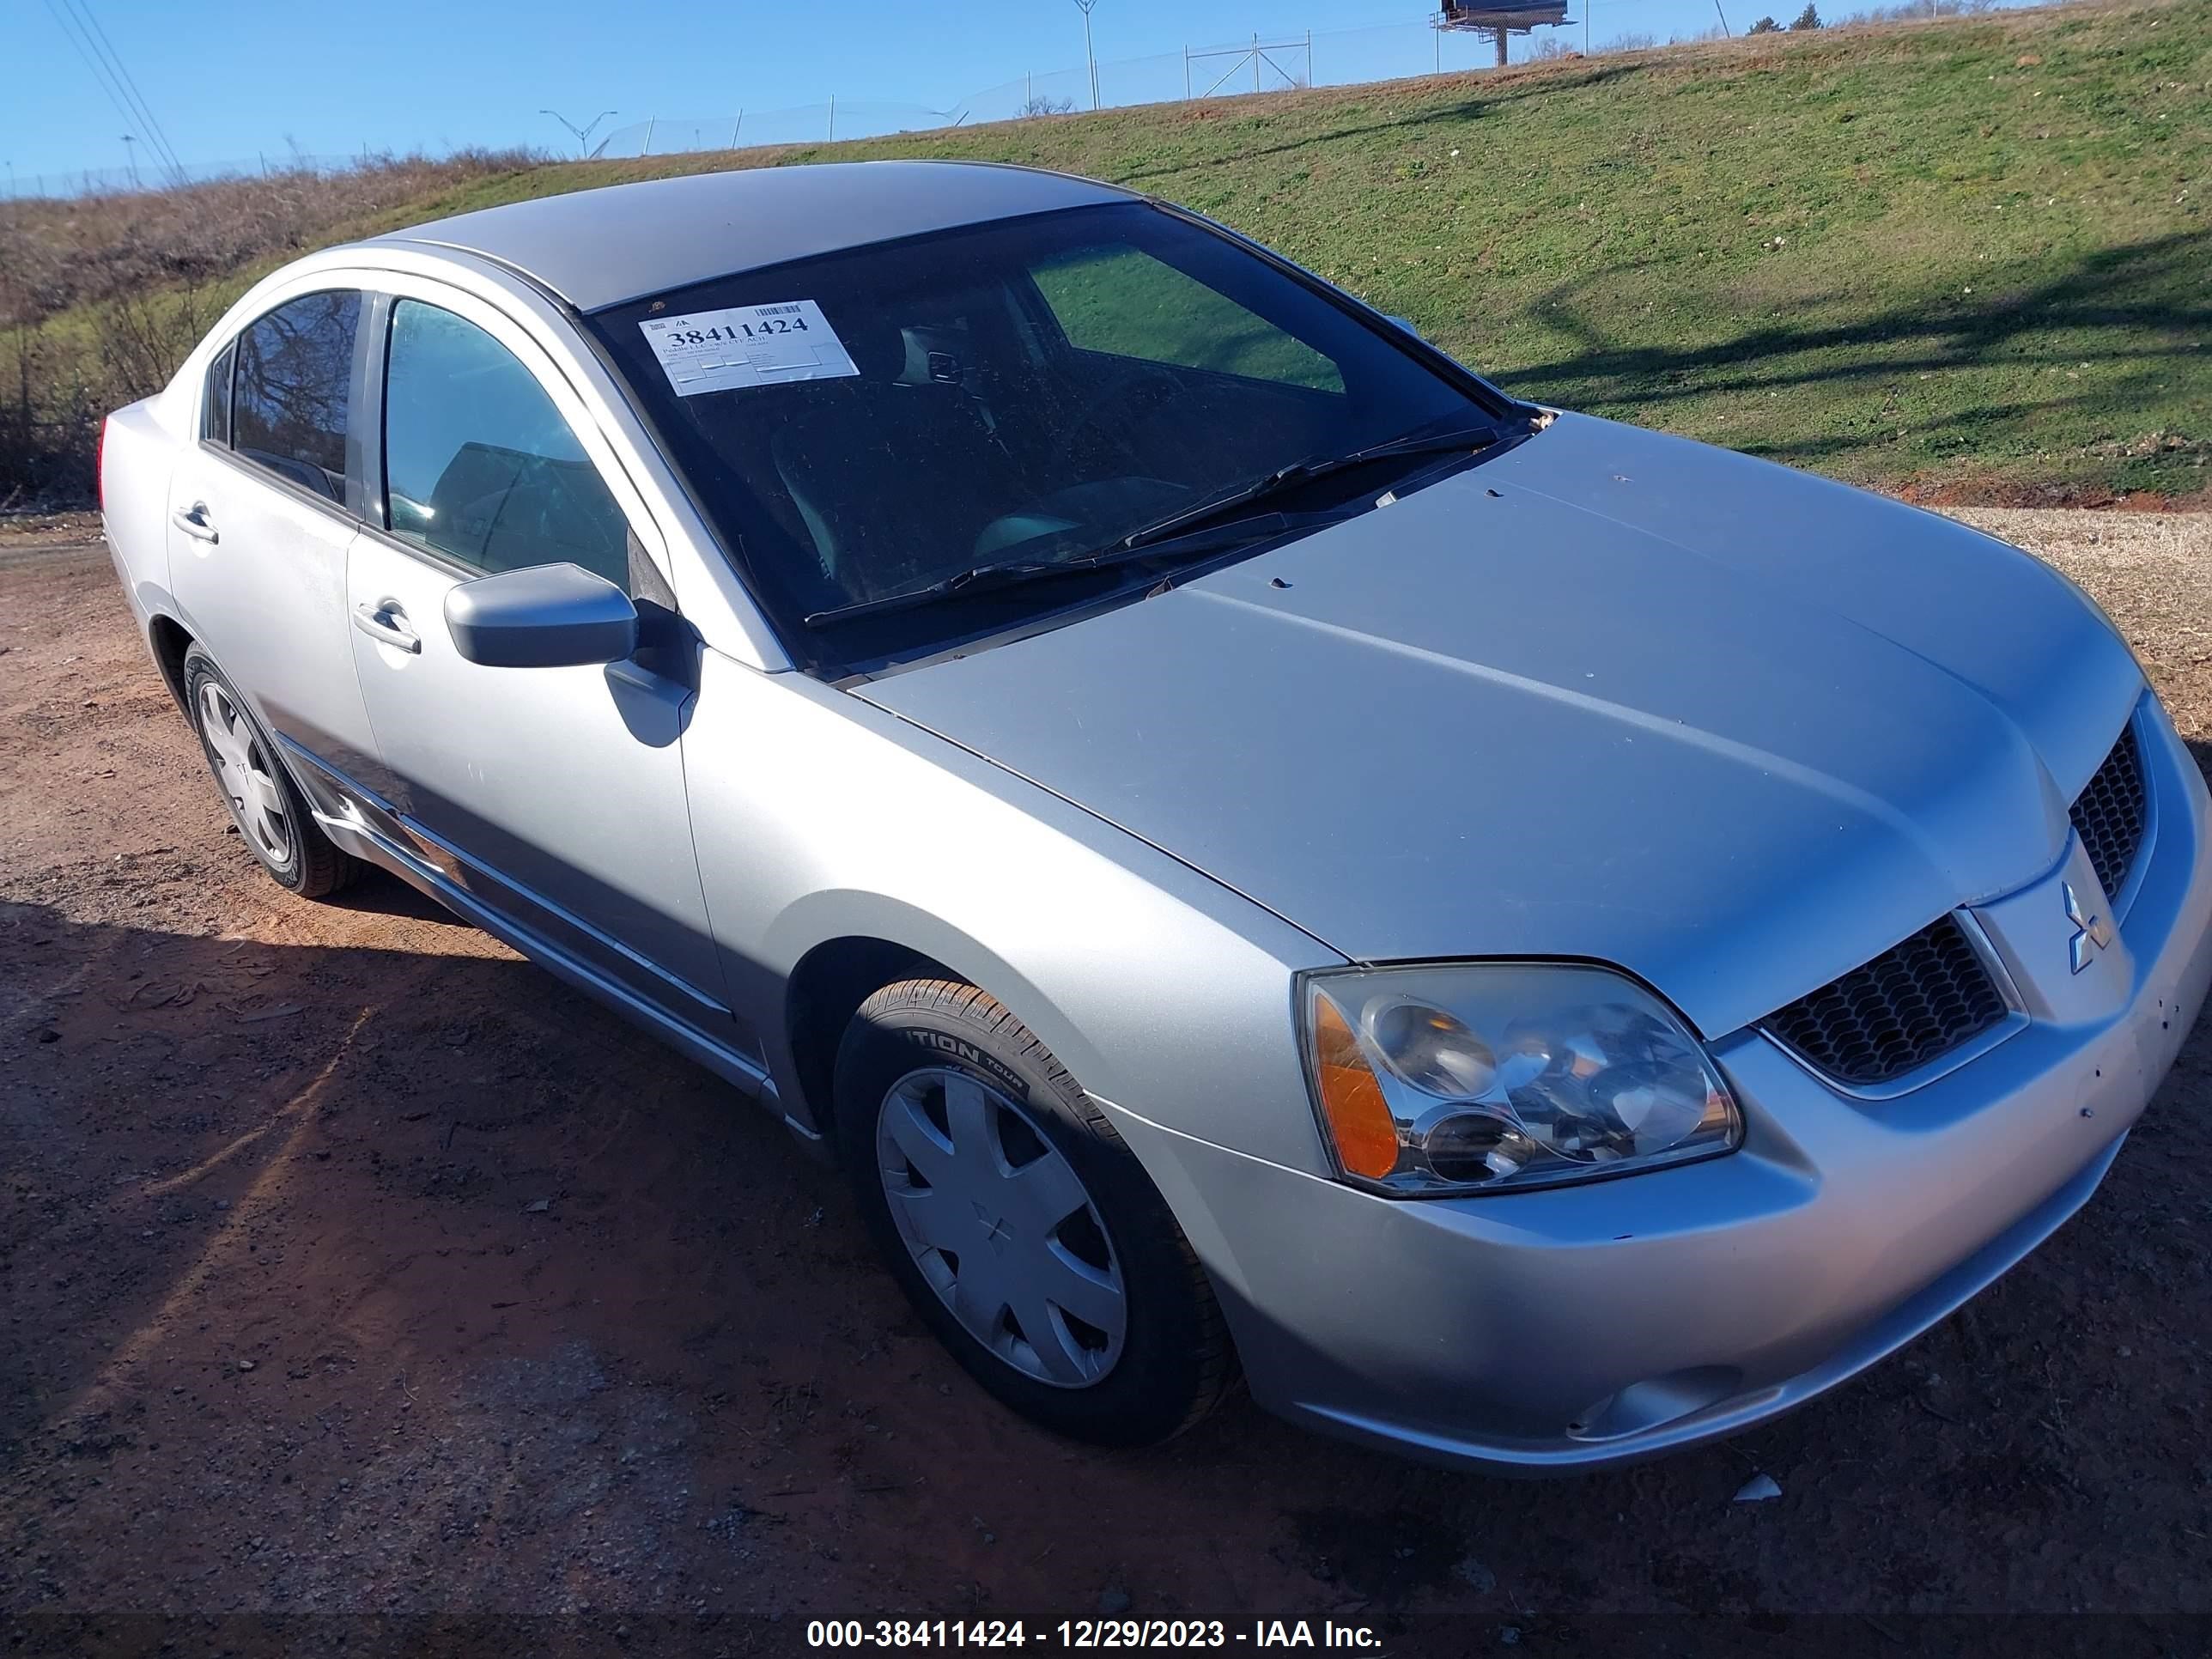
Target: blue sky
[229, 79]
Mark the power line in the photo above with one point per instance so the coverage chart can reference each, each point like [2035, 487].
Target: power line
[154, 127]
[155, 132]
[77, 45]
[137, 115]
[80, 45]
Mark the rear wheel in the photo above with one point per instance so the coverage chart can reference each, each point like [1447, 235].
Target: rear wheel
[264, 803]
[1021, 1227]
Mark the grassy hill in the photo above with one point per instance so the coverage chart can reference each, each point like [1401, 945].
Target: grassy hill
[1968, 258]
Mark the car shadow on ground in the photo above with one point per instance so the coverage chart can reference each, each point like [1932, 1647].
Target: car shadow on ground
[396, 1250]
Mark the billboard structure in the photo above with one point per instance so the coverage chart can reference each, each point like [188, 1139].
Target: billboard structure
[1501, 18]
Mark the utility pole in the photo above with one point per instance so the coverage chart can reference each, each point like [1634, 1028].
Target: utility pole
[1723, 17]
[583, 133]
[1090, 57]
[130, 158]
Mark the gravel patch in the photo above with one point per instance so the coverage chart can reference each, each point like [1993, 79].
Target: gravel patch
[2153, 573]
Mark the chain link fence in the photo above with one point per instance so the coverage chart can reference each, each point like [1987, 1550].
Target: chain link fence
[1258, 63]
[1261, 62]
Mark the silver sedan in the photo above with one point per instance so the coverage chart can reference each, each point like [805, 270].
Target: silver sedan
[1534, 941]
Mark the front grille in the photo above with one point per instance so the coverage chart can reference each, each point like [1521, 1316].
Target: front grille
[2109, 813]
[1914, 1003]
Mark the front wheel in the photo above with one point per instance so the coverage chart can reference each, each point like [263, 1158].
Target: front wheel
[1020, 1225]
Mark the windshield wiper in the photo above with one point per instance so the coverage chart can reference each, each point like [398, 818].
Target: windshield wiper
[975, 579]
[1469, 439]
[981, 578]
[1187, 533]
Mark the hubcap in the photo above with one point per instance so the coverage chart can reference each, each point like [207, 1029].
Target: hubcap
[1001, 1227]
[242, 769]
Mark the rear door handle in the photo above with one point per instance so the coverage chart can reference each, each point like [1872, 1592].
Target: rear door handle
[194, 522]
[386, 623]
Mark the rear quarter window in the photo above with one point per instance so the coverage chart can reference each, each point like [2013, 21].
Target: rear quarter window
[214, 423]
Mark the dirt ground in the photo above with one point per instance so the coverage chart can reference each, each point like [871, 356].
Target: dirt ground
[361, 1289]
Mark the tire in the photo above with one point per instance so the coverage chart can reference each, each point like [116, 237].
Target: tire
[915, 1061]
[271, 815]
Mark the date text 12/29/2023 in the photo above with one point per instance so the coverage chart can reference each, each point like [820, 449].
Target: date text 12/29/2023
[927, 1635]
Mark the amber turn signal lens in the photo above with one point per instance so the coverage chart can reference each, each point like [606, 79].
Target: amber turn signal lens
[1351, 1097]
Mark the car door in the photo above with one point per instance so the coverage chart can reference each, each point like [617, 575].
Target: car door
[554, 795]
[261, 517]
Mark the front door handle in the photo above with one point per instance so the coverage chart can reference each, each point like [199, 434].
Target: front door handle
[194, 522]
[386, 623]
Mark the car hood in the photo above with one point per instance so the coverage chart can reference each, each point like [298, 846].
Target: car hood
[1610, 694]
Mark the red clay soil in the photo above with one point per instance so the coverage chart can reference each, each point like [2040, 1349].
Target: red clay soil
[362, 1288]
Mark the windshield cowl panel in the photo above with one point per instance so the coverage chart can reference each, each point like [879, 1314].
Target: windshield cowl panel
[907, 440]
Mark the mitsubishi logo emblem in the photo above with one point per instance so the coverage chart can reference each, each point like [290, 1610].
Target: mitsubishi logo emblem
[2090, 930]
[996, 1233]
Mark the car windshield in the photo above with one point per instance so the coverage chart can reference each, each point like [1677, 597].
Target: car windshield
[1027, 393]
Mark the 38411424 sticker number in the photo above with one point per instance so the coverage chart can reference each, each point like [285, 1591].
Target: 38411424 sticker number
[740, 347]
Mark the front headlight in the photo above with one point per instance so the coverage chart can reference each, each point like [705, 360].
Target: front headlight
[1479, 1076]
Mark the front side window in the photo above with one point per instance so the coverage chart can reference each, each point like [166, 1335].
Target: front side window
[1032, 392]
[291, 390]
[479, 466]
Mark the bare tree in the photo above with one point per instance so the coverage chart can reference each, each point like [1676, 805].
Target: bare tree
[146, 274]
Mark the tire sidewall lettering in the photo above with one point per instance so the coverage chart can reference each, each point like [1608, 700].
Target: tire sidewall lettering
[947, 1045]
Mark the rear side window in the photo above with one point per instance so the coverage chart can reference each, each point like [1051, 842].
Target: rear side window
[478, 464]
[293, 380]
[1120, 299]
[215, 426]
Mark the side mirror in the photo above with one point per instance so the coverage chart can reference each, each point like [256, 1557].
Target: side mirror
[1407, 323]
[552, 616]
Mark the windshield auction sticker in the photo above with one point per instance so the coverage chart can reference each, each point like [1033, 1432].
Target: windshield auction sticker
[745, 346]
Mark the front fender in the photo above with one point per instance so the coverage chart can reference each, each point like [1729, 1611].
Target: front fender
[819, 817]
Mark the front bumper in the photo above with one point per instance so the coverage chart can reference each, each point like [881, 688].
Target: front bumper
[1597, 1324]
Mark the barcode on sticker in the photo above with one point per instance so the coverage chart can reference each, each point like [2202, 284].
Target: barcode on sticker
[775, 311]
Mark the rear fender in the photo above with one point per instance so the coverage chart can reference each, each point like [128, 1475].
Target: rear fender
[138, 453]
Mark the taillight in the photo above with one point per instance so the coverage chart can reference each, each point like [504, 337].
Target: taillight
[99, 467]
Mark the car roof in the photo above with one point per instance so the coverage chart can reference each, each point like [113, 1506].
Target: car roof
[601, 247]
